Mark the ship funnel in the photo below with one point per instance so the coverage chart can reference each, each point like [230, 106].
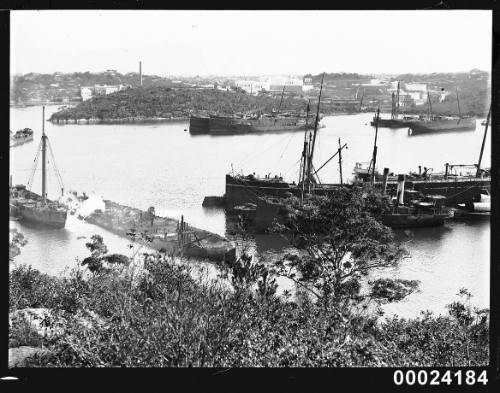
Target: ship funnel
[386, 175]
[401, 189]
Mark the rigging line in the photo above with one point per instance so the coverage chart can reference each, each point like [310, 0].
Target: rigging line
[260, 152]
[58, 175]
[292, 166]
[35, 165]
[288, 143]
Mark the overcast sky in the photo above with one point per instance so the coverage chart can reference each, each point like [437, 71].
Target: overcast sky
[250, 42]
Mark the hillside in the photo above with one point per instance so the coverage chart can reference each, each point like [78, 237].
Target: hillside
[473, 89]
[54, 87]
[165, 102]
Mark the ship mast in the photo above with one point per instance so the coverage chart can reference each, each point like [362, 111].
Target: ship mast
[44, 154]
[309, 165]
[374, 158]
[281, 100]
[430, 105]
[303, 169]
[482, 145]
[397, 109]
[361, 101]
[458, 103]
[393, 109]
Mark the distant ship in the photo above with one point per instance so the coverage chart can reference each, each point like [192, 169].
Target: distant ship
[21, 137]
[441, 123]
[218, 124]
[455, 187]
[395, 121]
[412, 209]
[251, 121]
[31, 207]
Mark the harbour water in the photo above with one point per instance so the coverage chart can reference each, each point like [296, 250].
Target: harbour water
[162, 165]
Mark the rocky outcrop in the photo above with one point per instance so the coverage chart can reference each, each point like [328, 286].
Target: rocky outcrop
[35, 326]
[18, 356]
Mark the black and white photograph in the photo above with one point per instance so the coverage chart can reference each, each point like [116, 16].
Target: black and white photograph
[251, 189]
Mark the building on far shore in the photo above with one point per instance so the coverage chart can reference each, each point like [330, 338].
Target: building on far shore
[271, 85]
[87, 92]
[251, 86]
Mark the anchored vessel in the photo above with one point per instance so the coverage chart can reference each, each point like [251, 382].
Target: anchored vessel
[219, 124]
[441, 123]
[395, 121]
[21, 137]
[411, 209]
[29, 206]
[249, 122]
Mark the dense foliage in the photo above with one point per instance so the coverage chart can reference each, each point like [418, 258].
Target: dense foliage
[165, 102]
[163, 314]
[167, 318]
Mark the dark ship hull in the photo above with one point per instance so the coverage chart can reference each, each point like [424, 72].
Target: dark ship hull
[199, 125]
[233, 125]
[28, 206]
[391, 123]
[414, 220]
[42, 215]
[248, 189]
[442, 125]
[225, 125]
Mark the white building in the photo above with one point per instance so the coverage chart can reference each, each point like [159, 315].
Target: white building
[251, 86]
[86, 93]
[307, 84]
[421, 87]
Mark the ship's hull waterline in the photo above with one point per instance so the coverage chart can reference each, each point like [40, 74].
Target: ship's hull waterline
[241, 190]
[229, 125]
[422, 127]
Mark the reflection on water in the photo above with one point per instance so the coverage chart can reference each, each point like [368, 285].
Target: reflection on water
[161, 165]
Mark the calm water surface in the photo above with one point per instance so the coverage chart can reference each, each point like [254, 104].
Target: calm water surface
[162, 165]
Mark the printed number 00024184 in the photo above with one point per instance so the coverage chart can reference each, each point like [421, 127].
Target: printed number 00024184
[435, 377]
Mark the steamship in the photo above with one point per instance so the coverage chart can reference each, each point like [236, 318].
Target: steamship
[31, 207]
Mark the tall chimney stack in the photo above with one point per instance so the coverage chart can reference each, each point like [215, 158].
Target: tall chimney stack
[140, 71]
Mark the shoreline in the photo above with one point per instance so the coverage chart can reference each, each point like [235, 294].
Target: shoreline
[148, 120]
[128, 120]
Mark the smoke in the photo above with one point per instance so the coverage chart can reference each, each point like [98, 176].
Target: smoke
[90, 205]
[76, 204]
[70, 201]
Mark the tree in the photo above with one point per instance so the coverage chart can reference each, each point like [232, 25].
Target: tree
[340, 239]
[99, 256]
